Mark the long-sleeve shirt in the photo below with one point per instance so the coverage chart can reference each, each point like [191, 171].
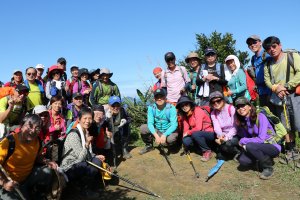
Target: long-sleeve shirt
[198, 121]
[224, 122]
[237, 84]
[101, 94]
[84, 86]
[158, 119]
[257, 134]
[279, 70]
[59, 120]
[174, 81]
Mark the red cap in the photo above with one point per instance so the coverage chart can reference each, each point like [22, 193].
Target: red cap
[157, 70]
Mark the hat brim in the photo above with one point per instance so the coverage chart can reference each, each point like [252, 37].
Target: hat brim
[59, 69]
[186, 101]
[109, 75]
[187, 60]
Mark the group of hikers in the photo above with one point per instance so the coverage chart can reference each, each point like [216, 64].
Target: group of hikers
[55, 124]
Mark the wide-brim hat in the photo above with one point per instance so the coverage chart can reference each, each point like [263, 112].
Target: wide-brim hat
[54, 67]
[105, 71]
[184, 99]
[94, 71]
[83, 71]
[192, 55]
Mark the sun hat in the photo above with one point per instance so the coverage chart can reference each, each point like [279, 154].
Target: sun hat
[106, 71]
[192, 55]
[39, 109]
[184, 99]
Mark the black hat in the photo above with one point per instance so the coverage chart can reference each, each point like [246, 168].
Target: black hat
[184, 99]
[241, 101]
[210, 50]
[169, 56]
[160, 92]
[92, 72]
[76, 94]
[98, 108]
[215, 94]
[73, 67]
[22, 88]
[61, 60]
[83, 71]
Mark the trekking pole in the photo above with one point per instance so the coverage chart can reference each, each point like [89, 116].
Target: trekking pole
[124, 179]
[9, 179]
[166, 157]
[113, 143]
[191, 162]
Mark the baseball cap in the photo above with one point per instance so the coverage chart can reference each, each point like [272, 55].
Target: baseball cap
[76, 94]
[157, 70]
[17, 70]
[215, 94]
[159, 92]
[210, 50]
[39, 109]
[61, 60]
[98, 108]
[74, 67]
[114, 99]
[21, 89]
[252, 37]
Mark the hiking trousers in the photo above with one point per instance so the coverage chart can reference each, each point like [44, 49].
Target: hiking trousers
[257, 151]
[228, 148]
[199, 138]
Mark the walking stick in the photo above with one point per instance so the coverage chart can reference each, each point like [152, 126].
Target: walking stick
[9, 179]
[124, 179]
[191, 162]
[166, 157]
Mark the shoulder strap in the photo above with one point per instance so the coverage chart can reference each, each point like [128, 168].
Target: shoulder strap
[100, 88]
[112, 90]
[168, 108]
[165, 77]
[218, 68]
[11, 146]
[182, 74]
[229, 109]
[79, 85]
[290, 63]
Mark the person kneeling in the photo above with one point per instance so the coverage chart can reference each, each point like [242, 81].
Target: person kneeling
[255, 139]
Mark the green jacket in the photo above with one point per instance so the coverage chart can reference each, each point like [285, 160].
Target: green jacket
[100, 94]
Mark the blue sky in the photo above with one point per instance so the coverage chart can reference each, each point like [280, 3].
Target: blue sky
[131, 37]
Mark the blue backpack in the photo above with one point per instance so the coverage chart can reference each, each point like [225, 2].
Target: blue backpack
[53, 89]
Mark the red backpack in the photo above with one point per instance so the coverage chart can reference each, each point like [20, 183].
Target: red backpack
[251, 86]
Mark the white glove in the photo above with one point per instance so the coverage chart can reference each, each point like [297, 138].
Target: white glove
[123, 122]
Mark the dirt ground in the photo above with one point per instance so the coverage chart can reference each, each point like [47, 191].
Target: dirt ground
[153, 173]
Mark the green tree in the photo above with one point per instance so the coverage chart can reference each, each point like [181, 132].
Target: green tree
[223, 44]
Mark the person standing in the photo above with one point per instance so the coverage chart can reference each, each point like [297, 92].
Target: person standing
[40, 70]
[17, 79]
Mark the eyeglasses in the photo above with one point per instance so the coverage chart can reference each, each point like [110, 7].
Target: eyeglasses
[31, 74]
[240, 106]
[273, 46]
[56, 72]
[216, 101]
[210, 54]
[252, 42]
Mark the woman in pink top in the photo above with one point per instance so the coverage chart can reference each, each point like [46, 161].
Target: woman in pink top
[197, 126]
[57, 127]
[83, 86]
[223, 118]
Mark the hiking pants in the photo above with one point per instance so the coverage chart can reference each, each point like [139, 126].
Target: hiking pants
[82, 169]
[147, 137]
[201, 138]
[41, 177]
[257, 151]
[228, 148]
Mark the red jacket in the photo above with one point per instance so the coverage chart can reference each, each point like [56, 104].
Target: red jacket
[198, 121]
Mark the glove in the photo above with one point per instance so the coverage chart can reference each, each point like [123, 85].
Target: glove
[123, 122]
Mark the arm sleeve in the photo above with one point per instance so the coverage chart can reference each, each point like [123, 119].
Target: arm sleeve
[150, 120]
[48, 90]
[75, 87]
[242, 85]
[173, 121]
[163, 81]
[73, 141]
[267, 77]
[3, 150]
[294, 82]
[262, 131]
[216, 124]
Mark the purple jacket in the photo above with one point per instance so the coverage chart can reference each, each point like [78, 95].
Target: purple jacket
[257, 134]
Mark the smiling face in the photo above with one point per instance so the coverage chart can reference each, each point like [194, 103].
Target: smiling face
[78, 101]
[105, 78]
[194, 62]
[210, 58]
[56, 106]
[244, 110]
[231, 64]
[18, 77]
[217, 103]
[84, 77]
[98, 116]
[86, 120]
[160, 100]
[30, 131]
[186, 107]
[31, 74]
[115, 108]
[254, 45]
[274, 50]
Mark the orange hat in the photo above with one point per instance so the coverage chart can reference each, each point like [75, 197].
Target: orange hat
[157, 70]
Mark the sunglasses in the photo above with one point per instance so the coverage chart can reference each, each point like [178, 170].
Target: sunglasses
[210, 54]
[216, 101]
[252, 42]
[31, 74]
[56, 72]
[240, 106]
[273, 46]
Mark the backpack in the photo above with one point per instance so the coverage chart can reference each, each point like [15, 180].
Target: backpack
[278, 127]
[53, 89]
[99, 84]
[251, 86]
[12, 145]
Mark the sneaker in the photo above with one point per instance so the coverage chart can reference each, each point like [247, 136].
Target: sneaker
[146, 149]
[289, 156]
[126, 154]
[266, 173]
[207, 155]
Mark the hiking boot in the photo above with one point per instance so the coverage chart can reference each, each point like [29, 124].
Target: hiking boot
[146, 149]
[207, 155]
[266, 173]
[126, 154]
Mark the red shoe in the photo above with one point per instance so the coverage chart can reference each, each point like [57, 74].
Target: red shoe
[207, 155]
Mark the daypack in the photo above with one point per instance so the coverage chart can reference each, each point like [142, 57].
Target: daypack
[278, 127]
[53, 89]
[99, 84]
[251, 86]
